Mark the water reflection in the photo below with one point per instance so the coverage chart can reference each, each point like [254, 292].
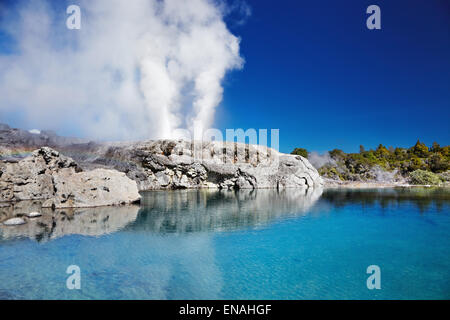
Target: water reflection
[188, 211]
[421, 197]
[203, 210]
[58, 223]
[163, 212]
[164, 249]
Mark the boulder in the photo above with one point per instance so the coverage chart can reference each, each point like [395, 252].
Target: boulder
[32, 177]
[33, 214]
[99, 187]
[48, 175]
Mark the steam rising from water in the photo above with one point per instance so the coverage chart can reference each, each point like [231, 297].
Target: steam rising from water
[136, 69]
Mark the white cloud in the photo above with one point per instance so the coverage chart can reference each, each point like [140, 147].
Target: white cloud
[136, 69]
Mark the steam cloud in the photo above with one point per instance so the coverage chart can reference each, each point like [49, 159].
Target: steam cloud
[136, 69]
[319, 160]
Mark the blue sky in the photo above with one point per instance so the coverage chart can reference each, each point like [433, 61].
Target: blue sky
[314, 71]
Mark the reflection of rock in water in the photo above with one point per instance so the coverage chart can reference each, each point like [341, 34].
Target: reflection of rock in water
[168, 211]
[55, 224]
[207, 210]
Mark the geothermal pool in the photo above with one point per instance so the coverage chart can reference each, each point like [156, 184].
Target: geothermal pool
[262, 244]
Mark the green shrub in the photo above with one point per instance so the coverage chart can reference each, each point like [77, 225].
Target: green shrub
[424, 177]
[445, 176]
[406, 160]
[300, 152]
[337, 154]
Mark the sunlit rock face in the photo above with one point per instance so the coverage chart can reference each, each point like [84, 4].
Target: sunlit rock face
[57, 223]
[31, 178]
[95, 188]
[48, 175]
[180, 164]
[217, 210]
[167, 164]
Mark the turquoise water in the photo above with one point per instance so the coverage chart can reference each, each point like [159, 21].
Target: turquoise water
[263, 244]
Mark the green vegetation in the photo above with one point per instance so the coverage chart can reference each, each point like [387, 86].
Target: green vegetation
[300, 152]
[424, 177]
[401, 162]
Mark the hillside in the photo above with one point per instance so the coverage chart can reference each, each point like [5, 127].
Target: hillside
[418, 164]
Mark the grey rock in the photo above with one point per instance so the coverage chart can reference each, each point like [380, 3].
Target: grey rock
[32, 177]
[33, 214]
[48, 175]
[99, 187]
[14, 222]
[170, 164]
[173, 164]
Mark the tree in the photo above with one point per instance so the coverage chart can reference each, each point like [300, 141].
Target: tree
[362, 149]
[381, 151]
[337, 154]
[420, 149]
[437, 163]
[445, 151]
[416, 164]
[436, 147]
[300, 152]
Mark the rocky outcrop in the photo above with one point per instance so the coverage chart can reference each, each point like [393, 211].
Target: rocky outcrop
[32, 177]
[99, 187]
[179, 164]
[163, 164]
[48, 175]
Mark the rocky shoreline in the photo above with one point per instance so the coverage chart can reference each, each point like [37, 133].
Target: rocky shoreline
[71, 173]
[57, 180]
[66, 173]
[331, 183]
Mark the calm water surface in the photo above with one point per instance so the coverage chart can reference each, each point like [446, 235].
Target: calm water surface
[262, 244]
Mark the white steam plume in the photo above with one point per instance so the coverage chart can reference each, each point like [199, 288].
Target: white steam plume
[136, 69]
[319, 160]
